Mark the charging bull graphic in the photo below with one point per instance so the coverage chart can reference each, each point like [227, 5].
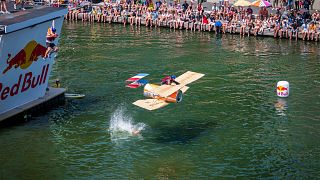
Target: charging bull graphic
[26, 56]
[282, 88]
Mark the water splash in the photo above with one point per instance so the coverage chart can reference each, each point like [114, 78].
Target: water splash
[122, 125]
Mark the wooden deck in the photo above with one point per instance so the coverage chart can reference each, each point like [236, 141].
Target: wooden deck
[20, 16]
[21, 19]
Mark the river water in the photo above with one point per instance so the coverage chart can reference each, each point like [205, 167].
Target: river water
[230, 123]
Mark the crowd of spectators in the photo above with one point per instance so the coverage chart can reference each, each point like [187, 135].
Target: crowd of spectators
[289, 20]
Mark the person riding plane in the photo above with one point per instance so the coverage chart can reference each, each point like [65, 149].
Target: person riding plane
[168, 80]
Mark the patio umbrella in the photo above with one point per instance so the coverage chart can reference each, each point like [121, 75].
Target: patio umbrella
[242, 3]
[261, 3]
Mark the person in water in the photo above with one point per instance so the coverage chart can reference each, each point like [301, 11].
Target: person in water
[168, 80]
[51, 36]
[135, 132]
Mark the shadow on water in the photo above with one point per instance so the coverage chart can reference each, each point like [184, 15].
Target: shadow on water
[183, 132]
[63, 112]
[24, 116]
[72, 108]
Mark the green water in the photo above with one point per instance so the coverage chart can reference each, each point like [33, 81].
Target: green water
[230, 123]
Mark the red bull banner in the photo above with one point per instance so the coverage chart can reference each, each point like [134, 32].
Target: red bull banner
[24, 70]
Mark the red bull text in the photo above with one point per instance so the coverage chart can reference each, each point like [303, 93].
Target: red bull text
[25, 82]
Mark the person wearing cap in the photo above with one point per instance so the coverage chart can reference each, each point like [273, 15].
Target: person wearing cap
[168, 80]
[51, 36]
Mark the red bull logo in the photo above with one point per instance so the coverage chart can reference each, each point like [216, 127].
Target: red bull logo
[282, 91]
[26, 56]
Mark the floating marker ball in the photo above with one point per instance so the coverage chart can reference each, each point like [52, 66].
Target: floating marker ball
[283, 88]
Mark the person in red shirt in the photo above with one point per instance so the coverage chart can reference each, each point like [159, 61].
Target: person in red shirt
[168, 80]
[204, 23]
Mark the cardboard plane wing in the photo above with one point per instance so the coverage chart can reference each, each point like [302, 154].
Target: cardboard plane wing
[150, 104]
[184, 89]
[167, 90]
[188, 77]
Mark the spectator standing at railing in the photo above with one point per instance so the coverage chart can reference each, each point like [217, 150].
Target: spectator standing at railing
[17, 2]
[158, 4]
[275, 4]
[214, 7]
[221, 3]
[265, 13]
[185, 6]
[306, 4]
[249, 12]
[199, 8]
[290, 4]
[311, 4]
[260, 13]
[3, 7]
[296, 5]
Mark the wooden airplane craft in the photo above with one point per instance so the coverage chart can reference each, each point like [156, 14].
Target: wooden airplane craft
[164, 94]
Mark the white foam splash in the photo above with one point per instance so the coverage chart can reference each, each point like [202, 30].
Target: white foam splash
[122, 125]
